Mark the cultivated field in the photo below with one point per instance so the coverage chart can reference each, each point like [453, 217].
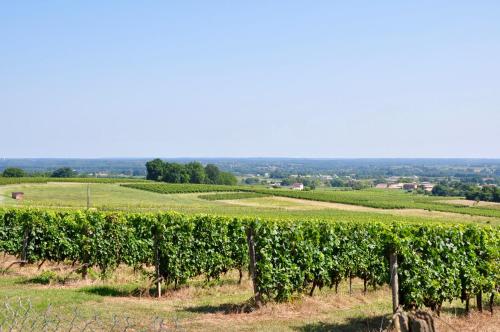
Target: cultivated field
[216, 304]
[337, 205]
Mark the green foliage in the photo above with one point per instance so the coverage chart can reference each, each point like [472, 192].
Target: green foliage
[13, 172]
[45, 278]
[486, 193]
[196, 172]
[212, 172]
[188, 246]
[155, 169]
[227, 179]
[175, 173]
[193, 172]
[436, 263]
[64, 172]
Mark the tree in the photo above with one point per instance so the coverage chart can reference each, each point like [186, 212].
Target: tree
[196, 172]
[212, 172]
[440, 190]
[64, 172]
[175, 173]
[251, 180]
[227, 179]
[13, 172]
[155, 169]
[338, 183]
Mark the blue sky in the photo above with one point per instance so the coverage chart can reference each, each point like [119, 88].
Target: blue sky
[256, 78]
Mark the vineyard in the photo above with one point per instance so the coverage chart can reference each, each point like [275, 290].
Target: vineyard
[437, 263]
[381, 199]
[384, 199]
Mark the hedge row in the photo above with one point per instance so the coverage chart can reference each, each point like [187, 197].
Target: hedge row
[436, 263]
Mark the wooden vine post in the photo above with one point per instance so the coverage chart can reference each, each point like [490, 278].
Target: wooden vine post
[24, 253]
[157, 264]
[393, 261]
[253, 266]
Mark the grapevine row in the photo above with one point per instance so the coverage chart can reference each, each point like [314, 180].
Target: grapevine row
[436, 263]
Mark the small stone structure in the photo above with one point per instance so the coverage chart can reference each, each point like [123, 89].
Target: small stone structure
[18, 195]
[419, 321]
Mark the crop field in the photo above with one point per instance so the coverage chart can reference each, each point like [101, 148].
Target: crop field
[374, 198]
[343, 268]
[207, 284]
[113, 196]
[387, 199]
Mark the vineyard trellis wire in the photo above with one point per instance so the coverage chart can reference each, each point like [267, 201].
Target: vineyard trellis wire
[21, 315]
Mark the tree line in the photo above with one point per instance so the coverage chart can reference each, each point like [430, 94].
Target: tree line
[63, 172]
[193, 172]
[489, 193]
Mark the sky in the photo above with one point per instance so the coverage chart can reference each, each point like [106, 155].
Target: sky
[329, 79]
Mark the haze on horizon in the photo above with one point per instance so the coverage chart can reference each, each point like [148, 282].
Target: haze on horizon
[228, 79]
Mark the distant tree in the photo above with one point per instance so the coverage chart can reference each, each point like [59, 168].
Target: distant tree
[278, 174]
[227, 179]
[212, 172]
[137, 172]
[64, 172]
[196, 172]
[496, 195]
[440, 190]
[155, 169]
[175, 173]
[338, 183]
[251, 180]
[13, 172]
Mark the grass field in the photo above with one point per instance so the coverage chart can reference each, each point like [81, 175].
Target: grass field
[210, 306]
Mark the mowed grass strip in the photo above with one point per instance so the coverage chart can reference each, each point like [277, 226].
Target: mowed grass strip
[21, 180]
[231, 196]
[178, 188]
[195, 306]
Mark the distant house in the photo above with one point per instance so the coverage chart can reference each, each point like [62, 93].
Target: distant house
[297, 186]
[409, 186]
[427, 186]
[395, 186]
[381, 186]
[18, 195]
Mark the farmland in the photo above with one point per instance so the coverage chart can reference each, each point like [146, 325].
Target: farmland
[208, 292]
[113, 196]
[304, 254]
